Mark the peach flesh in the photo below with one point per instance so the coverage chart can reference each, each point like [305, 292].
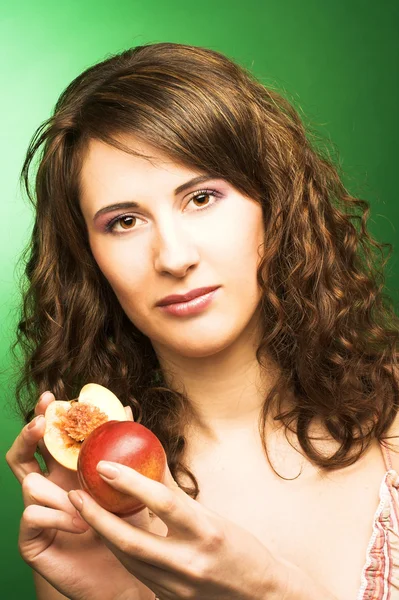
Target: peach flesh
[69, 423]
[80, 420]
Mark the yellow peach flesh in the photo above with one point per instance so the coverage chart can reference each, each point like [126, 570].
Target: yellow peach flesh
[69, 423]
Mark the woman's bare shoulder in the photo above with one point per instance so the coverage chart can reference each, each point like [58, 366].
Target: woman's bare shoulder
[392, 435]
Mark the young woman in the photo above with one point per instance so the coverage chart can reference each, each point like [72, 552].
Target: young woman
[271, 379]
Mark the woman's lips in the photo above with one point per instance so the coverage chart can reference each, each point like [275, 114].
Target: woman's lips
[180, 298]
[192, 307]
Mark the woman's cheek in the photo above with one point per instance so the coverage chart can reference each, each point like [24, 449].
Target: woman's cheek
[115, 260]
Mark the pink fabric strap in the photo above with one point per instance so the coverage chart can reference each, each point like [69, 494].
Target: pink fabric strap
[387, 456]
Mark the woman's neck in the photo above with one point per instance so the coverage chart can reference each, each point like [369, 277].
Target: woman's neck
[226, 391]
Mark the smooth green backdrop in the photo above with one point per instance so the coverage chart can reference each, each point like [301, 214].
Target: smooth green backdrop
[337, 61]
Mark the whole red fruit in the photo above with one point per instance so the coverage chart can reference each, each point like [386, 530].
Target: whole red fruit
[127, 443]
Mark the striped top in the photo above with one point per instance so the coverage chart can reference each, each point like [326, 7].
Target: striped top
[380, 574]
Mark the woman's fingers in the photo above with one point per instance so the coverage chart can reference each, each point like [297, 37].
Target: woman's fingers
[44, 400]
[129, 413]
[175, 508]
[37, 489]
[21, 456]
[39, 526]
[138, 544]
[179, 516]
[35, 518]
[49, 506]
[47, 510]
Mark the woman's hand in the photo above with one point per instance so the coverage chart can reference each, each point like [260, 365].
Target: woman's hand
[53, 538]
[204, 556]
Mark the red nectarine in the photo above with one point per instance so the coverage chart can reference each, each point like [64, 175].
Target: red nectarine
[127, 443]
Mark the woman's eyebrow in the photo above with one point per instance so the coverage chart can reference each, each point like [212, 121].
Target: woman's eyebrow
[195, 181]
[132, 204]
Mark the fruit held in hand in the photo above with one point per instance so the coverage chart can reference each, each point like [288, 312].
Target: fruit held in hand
[79, 433]
[69, 423]
[127, 443]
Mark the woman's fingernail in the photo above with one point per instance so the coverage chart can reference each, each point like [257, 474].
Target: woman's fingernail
[76, 499]
[109, 471]
[36, 421]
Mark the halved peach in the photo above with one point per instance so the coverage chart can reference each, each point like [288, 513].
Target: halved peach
[69, 423]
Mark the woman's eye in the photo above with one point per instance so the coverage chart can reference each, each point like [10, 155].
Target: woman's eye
[127, 222]
[121, 223]
[124, 222]
[202, 196]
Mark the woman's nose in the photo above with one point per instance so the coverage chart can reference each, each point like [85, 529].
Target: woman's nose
[175, 251]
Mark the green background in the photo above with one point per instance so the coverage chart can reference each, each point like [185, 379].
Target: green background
[336, 61]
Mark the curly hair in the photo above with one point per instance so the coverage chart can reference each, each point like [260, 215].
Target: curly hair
[325, 321]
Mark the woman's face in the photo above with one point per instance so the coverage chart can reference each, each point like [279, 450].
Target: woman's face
[152, 240]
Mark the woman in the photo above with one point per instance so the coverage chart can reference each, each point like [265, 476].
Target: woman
[166, 170]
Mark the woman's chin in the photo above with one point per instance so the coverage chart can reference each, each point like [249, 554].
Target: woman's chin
[196, 347]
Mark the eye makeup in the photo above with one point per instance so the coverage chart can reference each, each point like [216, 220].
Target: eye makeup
[108, 224]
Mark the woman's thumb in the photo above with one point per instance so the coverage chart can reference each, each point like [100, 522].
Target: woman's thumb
[129, 413]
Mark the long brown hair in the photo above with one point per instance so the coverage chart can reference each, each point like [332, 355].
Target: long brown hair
[326, 322]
